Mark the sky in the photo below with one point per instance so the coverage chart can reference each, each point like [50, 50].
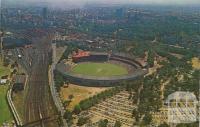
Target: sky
[108, 2]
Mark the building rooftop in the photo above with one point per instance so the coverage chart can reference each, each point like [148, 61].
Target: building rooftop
[20, 79]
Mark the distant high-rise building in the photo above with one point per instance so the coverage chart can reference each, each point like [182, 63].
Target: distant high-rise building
[2, 18]
[119, 12]
[44, 12]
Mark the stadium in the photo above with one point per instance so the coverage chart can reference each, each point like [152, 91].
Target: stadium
[100, 69]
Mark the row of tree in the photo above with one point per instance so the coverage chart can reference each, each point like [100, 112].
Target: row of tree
[59, 80]
[87, 103]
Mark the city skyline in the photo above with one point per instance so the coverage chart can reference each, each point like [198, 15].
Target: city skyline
[79, 3]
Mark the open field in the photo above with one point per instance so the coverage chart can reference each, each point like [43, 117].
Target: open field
[99, 69]
[79, 93]
[196, 63]
[4, 70]
[5, 114]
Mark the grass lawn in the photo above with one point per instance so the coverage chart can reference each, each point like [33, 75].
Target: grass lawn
[5, 114]
[79, 93]
[99, 69]
[4, 70]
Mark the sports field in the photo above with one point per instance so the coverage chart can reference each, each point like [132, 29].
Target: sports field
[99, 69]
[5, 114]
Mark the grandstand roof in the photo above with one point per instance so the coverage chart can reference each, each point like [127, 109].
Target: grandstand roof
[81, 54]
[181, 95]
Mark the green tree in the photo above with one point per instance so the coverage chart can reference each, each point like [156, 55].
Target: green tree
[117, 124]
[135, 114]
[77, 109]
[188, 124]
[71, 97]
[66, 103]
[59, 80]
[68, 115]
[67, 82]
[6, 62]
[163, 125]
[150, 58]
[147, 119]
[103, 123]
[82, 121]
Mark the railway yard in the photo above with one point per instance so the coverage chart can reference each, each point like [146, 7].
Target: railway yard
[39, 108]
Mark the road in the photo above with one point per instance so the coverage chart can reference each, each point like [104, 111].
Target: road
[55, 94]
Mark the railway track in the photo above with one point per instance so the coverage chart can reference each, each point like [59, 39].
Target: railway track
[39, 107]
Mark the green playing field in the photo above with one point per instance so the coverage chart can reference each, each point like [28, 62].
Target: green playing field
[99, 69]
[5, 114]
